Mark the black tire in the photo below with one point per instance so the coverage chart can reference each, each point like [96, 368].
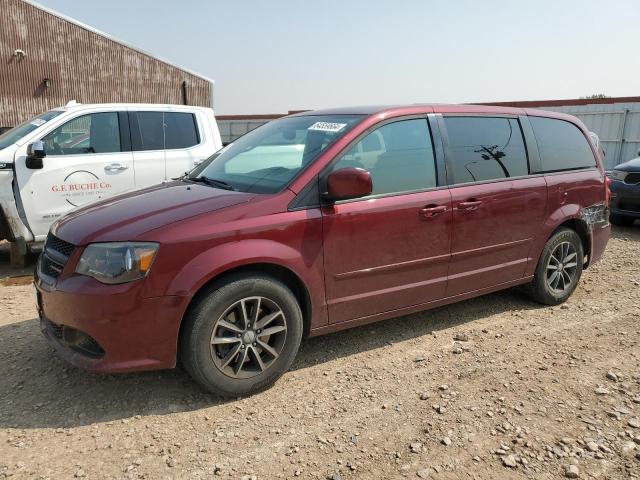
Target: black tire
[621, 221]
[540, 288]
[197, 349]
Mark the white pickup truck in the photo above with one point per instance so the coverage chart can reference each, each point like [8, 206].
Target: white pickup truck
[77, 154]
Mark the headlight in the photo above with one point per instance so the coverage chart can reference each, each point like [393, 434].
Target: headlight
[117, 262]
[618, 175]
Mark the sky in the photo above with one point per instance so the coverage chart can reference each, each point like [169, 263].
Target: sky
[280, 55]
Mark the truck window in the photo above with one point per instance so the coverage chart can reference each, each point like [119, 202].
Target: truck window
[147, 132]
[87, 134]
[13, 135]
[181, 130]
[485, 148]
[562, 145]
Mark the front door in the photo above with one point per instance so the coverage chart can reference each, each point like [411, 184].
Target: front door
[390, 250]
[84, 162]
[497, 209]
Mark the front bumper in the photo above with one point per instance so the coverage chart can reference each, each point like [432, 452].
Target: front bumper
[625, 199]
[109, 328]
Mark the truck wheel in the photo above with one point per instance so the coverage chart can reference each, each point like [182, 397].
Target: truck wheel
[559, 268]
[242, 336]
[621, 221]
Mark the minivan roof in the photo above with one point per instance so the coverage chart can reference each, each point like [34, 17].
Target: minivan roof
[396, 110]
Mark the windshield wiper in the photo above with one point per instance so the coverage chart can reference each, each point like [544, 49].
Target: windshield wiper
[212, 182]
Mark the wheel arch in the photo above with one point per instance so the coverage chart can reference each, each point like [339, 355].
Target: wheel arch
[579, 226]
[277, 271]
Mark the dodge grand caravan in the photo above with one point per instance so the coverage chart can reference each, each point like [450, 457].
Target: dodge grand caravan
[319, 222]
[74, 155]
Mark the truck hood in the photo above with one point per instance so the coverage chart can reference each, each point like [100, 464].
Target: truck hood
[131, 215]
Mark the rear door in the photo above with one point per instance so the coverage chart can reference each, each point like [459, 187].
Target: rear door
[88, 159]
[147, 142]
[390, 250]
[183, 143]
[497, 207]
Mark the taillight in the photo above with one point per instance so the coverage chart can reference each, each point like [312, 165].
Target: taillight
[607, 190]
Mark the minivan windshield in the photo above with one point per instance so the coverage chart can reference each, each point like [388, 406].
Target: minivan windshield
[12, 136]
[266, 159]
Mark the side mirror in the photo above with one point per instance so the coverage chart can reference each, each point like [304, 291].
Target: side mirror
[35, 154]
[348, 183]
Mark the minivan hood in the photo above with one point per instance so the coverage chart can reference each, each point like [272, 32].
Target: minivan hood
[130, 215]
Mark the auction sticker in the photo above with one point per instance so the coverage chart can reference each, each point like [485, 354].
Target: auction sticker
[327, 126]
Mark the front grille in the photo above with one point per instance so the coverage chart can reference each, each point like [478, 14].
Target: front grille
[54, 256]
[58, 245]
[632, 178]
[50, 267]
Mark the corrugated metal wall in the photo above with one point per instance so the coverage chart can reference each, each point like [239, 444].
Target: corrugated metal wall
[617, 125]
[81, 65]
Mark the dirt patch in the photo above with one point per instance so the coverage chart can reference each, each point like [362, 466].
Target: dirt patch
[534, 392]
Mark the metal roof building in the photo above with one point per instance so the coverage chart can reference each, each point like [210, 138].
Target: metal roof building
[48, 59]
[616, 120]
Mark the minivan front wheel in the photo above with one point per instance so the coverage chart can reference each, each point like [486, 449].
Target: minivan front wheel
[242, 336]
[559, 268]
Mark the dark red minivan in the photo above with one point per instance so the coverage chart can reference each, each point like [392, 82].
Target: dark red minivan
[317, 222]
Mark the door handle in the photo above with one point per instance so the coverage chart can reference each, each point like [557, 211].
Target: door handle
[115, 167]
[469, 205]
[431, 211]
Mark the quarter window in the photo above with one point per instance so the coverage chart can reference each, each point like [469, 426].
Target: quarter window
[485, 148]
[562, 145]
[93, 133]
[399, 157]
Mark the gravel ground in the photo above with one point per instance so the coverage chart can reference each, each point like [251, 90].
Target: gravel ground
[532, 392]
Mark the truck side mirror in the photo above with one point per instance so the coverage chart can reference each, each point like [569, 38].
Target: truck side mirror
[35, 154]
[348, 183]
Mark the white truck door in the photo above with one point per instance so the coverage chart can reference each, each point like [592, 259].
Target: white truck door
[147, 142]
[187, 143]
[87, 158]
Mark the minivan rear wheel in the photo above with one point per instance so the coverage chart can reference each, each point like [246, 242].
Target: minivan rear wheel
[559, 268]
[240, 337]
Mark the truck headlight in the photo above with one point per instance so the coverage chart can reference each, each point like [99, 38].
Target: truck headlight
[117, 262]
[618, 175]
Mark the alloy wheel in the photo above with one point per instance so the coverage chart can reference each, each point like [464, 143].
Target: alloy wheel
[561, 267]
[248, 337]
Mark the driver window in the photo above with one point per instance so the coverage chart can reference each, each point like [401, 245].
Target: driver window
[399, 156]
[93, 133]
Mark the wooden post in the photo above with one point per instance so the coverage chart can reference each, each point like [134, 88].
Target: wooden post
[17, 259]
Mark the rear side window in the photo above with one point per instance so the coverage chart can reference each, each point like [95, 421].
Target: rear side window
[562, 145]
[148, 134]
[399, 157]
[485, 148]
[163, 130]
[180, 130]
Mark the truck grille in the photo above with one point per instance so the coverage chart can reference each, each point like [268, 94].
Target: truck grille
[54, 256]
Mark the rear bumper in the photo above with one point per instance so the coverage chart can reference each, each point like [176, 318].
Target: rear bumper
[625, 199]
[125, 332]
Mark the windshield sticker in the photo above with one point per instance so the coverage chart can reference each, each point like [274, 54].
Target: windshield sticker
[327, 126]
[38, 122]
